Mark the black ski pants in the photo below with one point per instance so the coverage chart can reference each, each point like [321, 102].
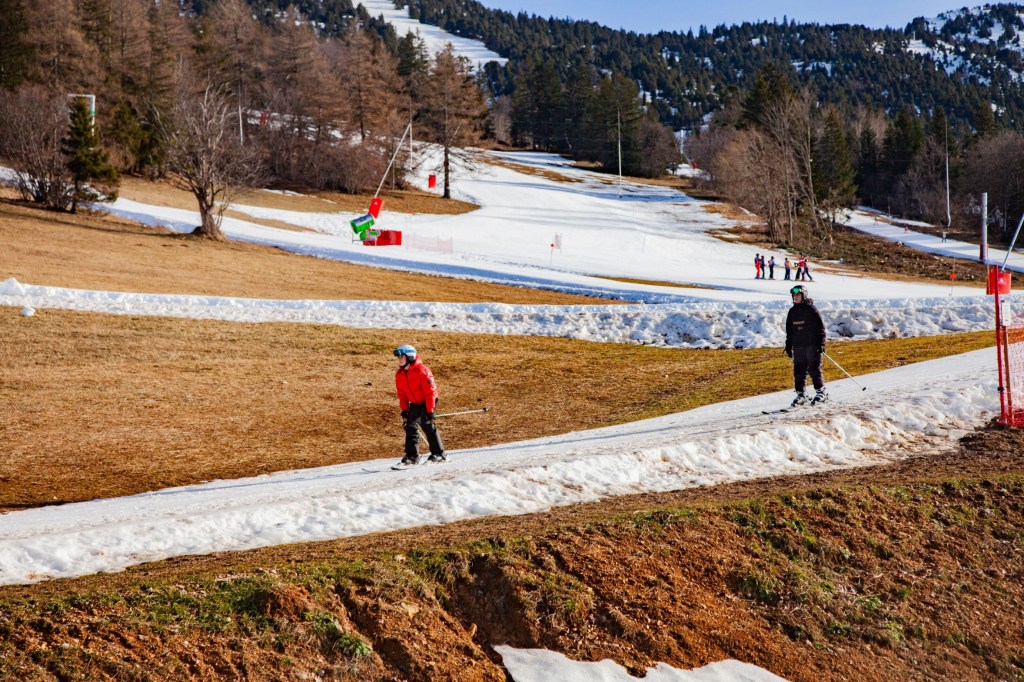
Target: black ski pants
[415, 421]
[807, 360]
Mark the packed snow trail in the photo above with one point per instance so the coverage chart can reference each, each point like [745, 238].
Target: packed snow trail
[904, 410]
[867, 221]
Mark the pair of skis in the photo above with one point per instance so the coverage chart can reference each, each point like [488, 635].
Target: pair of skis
[794, 408]
[406, 465]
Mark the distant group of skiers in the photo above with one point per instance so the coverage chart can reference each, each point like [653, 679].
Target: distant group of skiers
[766, 269]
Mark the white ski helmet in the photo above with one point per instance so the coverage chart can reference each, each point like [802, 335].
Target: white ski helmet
[406, 350]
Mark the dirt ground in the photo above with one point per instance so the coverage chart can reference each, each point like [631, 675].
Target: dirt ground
[909, 571]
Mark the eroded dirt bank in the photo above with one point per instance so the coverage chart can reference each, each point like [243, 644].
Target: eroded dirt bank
[912, 571]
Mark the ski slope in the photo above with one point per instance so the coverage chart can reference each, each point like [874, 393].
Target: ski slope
[903, 410]
[433, 37]
[606, 230]
[642, 233]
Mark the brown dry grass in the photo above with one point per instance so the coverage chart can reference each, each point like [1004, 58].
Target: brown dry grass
[530, 170]
[732, 212]
[654, 282]
[114, 254]
[98, 406]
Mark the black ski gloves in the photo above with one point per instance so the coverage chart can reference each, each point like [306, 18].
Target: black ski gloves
[789, 352]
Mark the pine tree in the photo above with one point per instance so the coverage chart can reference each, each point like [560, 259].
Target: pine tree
[86, 162]
[364, 77]
[984, 120]
[538, 107]
[903, 141]
[613, 123]
[16, 54]
[413, 67]
[868, 166]
[454, 109]
[770, 85]
[579, 94]
[833, 168]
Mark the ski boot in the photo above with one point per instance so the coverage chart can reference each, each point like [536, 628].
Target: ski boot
[800, 399]
[819, 397]
[437, 459]
[406, 463]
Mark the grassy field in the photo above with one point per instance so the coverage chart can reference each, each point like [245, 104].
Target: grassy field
[166, 193]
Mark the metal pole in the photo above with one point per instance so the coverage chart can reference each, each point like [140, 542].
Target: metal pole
[618, 127]
[452, 414]
[949, 219]
[984, 228]
[408, 129]
[1013, 242]
[862, 387]
[1003, 363]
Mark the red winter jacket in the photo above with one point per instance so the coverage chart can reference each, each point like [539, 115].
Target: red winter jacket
[415, 384]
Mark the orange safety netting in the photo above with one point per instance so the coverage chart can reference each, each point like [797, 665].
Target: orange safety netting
[1011, 362]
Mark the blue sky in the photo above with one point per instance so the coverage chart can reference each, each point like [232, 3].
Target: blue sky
[649, 16]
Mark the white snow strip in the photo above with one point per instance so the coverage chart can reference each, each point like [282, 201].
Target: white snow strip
[541, 665]
[700, 324]
[904, 409]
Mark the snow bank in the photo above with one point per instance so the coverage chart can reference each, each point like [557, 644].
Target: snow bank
[540, 665]
[699, 324]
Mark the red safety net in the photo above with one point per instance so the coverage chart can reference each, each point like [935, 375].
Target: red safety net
[1010, 347]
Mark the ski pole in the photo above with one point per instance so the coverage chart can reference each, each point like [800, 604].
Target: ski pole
[862, 387]
[452, 414]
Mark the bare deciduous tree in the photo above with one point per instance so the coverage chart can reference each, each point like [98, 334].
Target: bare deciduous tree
[789, 122]
[755, 171]
[994, 165]
[204, 153]
[35, 122]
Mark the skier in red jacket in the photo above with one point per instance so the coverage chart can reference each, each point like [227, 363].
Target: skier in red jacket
[417, 398]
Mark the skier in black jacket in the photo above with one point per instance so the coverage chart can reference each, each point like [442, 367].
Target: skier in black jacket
[805, 343]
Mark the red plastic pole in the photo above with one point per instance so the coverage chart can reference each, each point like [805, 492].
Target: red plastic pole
[1000, 340]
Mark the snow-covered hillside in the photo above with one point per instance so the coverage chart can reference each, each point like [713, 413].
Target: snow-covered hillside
[975, 42]
[434, 37]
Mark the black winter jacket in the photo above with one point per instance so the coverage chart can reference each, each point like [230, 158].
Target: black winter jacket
[804, 326]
